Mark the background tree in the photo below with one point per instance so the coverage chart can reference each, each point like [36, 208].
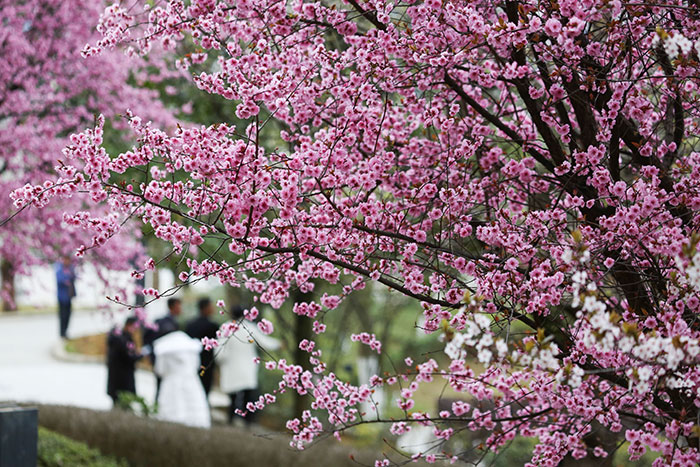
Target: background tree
[525, 170]
[47, 92]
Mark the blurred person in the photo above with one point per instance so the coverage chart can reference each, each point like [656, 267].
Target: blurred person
[161, 327]
[198, 328]
[65, 289]
[169, 322]
[236, 359]
[182, 398]
[121, 360]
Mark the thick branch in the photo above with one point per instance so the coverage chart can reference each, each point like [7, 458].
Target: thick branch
[512, 134]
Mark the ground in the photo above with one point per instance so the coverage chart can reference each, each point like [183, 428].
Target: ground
[30, 373]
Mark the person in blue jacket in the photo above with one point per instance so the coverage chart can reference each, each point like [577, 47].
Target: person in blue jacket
[65, 285]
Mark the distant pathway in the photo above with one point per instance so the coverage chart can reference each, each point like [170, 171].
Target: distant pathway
[29, 373]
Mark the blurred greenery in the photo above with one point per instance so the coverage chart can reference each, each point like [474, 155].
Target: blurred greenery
[131, 402]
[517, 452]
[55, 450]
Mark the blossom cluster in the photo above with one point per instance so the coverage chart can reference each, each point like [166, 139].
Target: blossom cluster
[528, 172]
[48, 92]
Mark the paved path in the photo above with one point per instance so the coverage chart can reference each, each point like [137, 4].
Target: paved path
[29, 373]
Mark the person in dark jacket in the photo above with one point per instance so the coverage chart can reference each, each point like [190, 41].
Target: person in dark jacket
[162, 326]
[121, 360]
[200, 327]
[166, 324]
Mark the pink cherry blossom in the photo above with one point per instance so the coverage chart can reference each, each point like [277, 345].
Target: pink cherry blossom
[265, 326]
[527, 172]
[49, 91]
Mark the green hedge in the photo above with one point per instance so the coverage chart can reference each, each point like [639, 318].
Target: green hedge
[148, 442]
[55, 450]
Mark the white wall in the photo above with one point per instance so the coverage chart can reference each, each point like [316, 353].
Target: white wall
[38, 290]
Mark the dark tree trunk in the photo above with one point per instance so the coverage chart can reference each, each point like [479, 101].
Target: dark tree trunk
[7, 271]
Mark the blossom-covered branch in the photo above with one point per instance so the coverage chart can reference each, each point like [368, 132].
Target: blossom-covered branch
[516, 165]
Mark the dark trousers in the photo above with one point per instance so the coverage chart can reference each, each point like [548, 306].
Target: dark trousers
[158, 380]
[207, 378]
[238, 401]
[64, 311]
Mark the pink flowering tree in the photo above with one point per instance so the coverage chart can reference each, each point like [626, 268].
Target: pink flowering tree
[525, 170]
[47, 92]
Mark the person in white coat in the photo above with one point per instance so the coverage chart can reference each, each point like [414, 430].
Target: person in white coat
[182, 398]
[238, 369]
